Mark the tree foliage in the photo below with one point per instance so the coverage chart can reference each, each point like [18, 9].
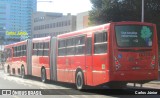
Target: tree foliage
[104, 11]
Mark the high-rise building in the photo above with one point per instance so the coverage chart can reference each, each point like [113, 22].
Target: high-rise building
[15, 19]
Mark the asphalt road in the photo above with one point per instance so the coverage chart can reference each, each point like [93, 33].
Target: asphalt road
[60, 90]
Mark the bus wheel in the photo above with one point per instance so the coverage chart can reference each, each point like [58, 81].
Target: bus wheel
[22, 72]
[79, 80]
[43, 75]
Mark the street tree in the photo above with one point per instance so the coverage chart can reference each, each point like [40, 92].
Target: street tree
[104, 11]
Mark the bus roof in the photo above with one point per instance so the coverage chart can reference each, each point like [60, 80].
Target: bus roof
[15, 44]
[42, 39]
[82, 31]
[100, 27]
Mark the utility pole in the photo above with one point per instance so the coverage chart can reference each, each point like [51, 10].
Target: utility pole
[142, 17]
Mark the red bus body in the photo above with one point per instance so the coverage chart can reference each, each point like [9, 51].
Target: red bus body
[13, 63]
[39, 60]
[113, 52]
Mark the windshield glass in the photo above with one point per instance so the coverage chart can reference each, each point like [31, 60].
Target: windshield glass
[134, 36]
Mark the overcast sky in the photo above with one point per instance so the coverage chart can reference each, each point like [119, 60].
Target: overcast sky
[64, 6]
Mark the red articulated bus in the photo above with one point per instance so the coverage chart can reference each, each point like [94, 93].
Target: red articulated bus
[114, 53]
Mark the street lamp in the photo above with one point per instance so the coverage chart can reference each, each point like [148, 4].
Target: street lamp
[142, 17]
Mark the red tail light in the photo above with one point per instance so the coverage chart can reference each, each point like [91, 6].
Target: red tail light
[117, 64]
[153, 62]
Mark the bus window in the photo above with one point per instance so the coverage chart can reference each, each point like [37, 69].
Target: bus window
[61, 43]
[80, 40]
[89, 46]
[35, 51]
[23, 52]
[70, 46]
[40, 49]
[15, 54]
[61, 48]
[100, 42]
[80, 45]
[19, 51]
[40, 45]
[46, 49]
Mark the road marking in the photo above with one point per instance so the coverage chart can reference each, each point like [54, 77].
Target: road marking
[15, 96]
[73, 96]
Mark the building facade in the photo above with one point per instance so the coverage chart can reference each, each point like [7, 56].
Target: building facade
[82, 20]
[15, 19]
[52, 24]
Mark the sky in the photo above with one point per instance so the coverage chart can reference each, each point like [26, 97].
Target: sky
[64, 6]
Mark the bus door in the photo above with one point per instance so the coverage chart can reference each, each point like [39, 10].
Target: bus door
[89, 61]
[100, 58]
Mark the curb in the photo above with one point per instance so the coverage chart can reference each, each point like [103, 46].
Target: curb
[154, 82]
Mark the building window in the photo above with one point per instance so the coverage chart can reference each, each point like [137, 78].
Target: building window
[47, 25]
[50, 25]
[69, 22]
[53, 25]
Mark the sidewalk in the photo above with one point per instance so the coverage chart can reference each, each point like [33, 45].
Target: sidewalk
[156, 81]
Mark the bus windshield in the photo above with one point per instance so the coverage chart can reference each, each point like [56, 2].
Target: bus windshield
[134, 35]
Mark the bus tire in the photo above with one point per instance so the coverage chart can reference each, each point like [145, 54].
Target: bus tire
[43, 75]
[22, 72]
[79, 80]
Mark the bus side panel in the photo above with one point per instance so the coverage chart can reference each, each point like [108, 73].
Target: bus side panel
[99, 69]
[78, 61]
[89, 74]
[61, 69]
[44, 61]
[35, 66]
